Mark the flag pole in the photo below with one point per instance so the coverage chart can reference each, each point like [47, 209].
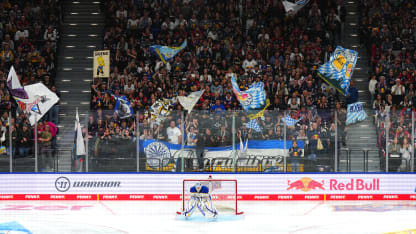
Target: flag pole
[36, 144]
[86, 148]
[137, 142]
[10, 143]
[233, 133]
[284, 144]
[182, 141]
[336, 141]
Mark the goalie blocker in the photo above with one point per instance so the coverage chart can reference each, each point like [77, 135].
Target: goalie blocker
[221, 197]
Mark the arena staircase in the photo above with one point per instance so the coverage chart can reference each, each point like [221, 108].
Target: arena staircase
[81, 34]
[361, 136]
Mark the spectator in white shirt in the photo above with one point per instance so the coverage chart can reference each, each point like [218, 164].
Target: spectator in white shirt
[398, 91]
[174, 134]
[372, 87]
[21, 34]
[133, 22]
[249, 63]
[50, 35]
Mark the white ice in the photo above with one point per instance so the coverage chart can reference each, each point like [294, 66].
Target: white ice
[86, 217]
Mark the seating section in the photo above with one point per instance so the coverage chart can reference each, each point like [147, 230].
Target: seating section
[387, 30]
[29, 35]
[260, 43]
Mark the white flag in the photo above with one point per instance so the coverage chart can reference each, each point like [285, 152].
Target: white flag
[293, 8]
[34, 100]
[189, 102]
[80, 146]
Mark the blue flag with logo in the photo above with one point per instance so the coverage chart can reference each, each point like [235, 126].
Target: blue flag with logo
[338, 70]
[289, 121]
[122, 107]
[253, 125]
[355, 113]
[253, 98]
[166, 53]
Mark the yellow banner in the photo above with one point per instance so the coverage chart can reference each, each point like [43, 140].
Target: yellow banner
[260, 113]
[101, 64]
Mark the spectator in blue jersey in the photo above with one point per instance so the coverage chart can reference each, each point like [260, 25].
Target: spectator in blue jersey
[295, 152]
[352, 93]
[218, 107]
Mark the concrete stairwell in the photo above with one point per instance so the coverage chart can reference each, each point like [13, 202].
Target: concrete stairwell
[81, 35]
[361, 136]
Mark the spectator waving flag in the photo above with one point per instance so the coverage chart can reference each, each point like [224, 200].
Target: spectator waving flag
[122, 107]
[34, 100]
[166, 53]
[355, 113]
[289, 121]
[189, 102]
[161, 109]
[293, 8]
[338, 70]
[253, 98]
[253, 125]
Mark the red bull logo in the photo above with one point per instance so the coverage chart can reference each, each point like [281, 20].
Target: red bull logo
[305, 184]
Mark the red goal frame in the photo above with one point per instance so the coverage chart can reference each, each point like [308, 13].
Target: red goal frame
[237, 212]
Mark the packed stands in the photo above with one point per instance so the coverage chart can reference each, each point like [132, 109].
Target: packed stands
[256, 41]
[29, 32]
[387, 30]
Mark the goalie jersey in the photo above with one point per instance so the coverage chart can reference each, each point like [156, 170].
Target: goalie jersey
[204, 189]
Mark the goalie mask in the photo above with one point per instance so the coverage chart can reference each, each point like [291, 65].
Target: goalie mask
[198, 186]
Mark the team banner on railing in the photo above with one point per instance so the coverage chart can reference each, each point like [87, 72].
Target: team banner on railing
[338, 70]
[168, 186]
[101, 64]
[160, 152]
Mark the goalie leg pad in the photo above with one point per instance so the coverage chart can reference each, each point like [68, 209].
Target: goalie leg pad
[200, 208]
[209, 207]
[191, 207]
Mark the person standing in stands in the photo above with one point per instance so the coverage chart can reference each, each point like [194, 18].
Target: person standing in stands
[352, 93]
[200, 142]
[295, 152]
[25, 139]
[174, 133]
[45, 149]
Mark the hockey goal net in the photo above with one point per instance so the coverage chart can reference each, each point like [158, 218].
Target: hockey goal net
[223, 194]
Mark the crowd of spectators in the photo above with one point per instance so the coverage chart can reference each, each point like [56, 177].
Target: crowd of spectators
[388, 30]
[257, 41]
[28, 35]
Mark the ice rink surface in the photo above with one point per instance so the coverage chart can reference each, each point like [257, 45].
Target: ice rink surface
[86, 217]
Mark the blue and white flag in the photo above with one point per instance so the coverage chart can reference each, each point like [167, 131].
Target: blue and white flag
[166, 53]
[338, 70]
[289, 121]
[34, 100]
[161, 109]
[80, 146]
[122, 107]
[293, 8]
[253, 98]
[253, 125]
[189, 102]
[355, 113]
[243, 146]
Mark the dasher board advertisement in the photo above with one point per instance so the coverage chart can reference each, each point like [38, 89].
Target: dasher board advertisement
[101, 64]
